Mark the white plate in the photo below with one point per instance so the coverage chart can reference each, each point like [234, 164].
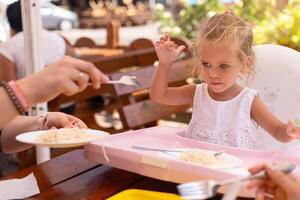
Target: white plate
[32, 138]
[230, 161]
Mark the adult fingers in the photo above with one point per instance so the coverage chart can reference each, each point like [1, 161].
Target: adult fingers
[82, 81]
[260, 193]
[94, 74]
[70, 88]
[255, 183]
[279, 178]
[257, 168]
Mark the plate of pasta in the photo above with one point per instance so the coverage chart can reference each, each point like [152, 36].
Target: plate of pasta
[207, 158]
[61, 138]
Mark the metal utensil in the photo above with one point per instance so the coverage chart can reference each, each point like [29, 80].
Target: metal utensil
[219, 153]
[125, 80]
[208, 188]
[156, 149]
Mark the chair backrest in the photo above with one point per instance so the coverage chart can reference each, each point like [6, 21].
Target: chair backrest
[277, 79]
[142, 113]
[85, 42]
[128, 59]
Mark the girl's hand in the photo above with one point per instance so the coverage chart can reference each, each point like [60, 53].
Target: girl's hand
[166, 51]
[60, 120]
[293, 131]
[277, 186]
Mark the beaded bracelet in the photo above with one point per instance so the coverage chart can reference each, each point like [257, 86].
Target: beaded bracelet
[13, 98]
[20, 95]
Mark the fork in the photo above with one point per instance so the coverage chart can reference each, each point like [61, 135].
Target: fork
[208, 188]
[169, 150]
[125, 80]
[156, 149]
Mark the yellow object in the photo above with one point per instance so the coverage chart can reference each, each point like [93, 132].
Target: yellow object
[133, 194]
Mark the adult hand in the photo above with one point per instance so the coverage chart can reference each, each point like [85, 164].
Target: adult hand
[277, 186]
[67, 76]
[166, 51]
[61, 120]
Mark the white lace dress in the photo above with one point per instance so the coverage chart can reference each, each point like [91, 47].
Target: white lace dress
[224, 122]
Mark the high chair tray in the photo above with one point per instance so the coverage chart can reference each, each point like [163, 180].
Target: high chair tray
[134, 194]
[117, 151]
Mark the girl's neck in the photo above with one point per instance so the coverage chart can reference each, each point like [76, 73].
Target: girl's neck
[228, 94]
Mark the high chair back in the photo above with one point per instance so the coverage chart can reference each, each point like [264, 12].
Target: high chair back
[277, 79]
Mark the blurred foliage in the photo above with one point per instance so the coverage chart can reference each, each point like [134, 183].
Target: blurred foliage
[189, 17]
[271, 25]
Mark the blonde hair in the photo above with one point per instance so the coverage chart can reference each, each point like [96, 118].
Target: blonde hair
[229, 27]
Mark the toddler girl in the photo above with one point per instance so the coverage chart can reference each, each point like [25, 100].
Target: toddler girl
[223, 112]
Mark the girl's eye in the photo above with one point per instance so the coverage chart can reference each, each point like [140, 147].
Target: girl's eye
[224, 66]
[205, 64]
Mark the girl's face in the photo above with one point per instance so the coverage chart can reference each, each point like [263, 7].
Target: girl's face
[219, 64]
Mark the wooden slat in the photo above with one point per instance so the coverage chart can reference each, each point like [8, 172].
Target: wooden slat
[138, 114]
[57, 169]
[112, 64]
[85, 42]
[181, 70]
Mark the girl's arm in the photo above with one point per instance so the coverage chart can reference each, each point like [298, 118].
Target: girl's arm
[275, 127]
[161, 93]
[20, 124]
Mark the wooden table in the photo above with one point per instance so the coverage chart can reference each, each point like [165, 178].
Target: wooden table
[85, 52]
[71, 176]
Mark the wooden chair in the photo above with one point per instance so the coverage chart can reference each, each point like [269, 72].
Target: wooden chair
[142, 112]
[110, 64]
[85, 42]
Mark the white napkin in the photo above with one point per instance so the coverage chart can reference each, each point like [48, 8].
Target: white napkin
[19, 188]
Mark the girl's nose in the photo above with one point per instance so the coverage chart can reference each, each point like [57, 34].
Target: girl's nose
[213, 73]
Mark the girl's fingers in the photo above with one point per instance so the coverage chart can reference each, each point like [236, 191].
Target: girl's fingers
[180, 49]
[76, 122]
[167, 36]
[157, 44]
[289, 127]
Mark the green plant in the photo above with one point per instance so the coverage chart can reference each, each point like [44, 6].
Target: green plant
[281, 28]
[270, 25]
[190, 16]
